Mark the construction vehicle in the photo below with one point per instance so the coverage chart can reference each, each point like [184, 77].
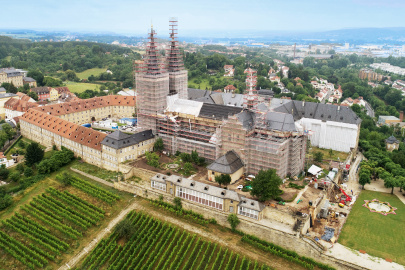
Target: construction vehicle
[344, 198]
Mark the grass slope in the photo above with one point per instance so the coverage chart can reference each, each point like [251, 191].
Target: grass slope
[81, 87]
[379, 235]
[87, 73]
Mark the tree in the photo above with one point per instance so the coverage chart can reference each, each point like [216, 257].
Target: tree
[226, 179]
[33, 95]
[21, 144]
[177, 203]
[9, 131]
[266, 185]
[37, 75]
[152, 159]
[391, 182]
[14, 176]
[318, 156]
[20, 167]
[34, 154]
[125, 229]
[158, 146]
[364, 177]
[4, 172]
[330, 152]
[65, 178]
[188, 167]
[218, 179]
[185, 157]
[194, 156]
[233, 221]
[44, 166]
[28, 172]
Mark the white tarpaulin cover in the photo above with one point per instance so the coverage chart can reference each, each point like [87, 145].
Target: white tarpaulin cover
[330, 135]
[314, 170]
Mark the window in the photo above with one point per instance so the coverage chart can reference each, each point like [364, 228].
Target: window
[158, 185]
[248, 212]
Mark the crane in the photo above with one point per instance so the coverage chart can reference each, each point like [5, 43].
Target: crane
[347, 197]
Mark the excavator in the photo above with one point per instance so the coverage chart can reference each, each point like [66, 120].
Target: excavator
[344, 198]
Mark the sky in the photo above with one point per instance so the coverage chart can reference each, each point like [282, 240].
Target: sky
[134, 17]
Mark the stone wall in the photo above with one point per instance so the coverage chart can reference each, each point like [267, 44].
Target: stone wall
[300, 244]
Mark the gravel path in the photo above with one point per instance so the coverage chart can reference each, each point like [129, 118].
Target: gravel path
[73, 261]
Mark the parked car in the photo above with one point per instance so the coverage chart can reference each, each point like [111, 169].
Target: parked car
[240, 187]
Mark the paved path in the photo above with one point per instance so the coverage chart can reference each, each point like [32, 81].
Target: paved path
[370, 262]
[73, 261]
[378, 185]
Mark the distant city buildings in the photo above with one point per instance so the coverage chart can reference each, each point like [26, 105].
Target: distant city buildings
[388, 68]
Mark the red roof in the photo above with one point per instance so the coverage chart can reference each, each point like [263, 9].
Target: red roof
[230, 87]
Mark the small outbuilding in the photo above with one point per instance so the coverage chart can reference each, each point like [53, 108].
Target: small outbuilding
[230, 164]
[391, 143]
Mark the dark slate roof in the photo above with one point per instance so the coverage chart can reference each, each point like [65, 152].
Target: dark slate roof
[280, 121]
[392, 139]
[194, 94]
[206, 99]
[215, 111]
[265, 92]
[227, 164]
[120, 139]
[247, 118]
[28, 79]
[7, 123]
[325, 112]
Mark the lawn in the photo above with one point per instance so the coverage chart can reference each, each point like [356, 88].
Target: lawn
[81, 87]
[93, 71]
[379, 235]
[96, 171]
[336, 155]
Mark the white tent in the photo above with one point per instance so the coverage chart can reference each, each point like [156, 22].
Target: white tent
[314, 170]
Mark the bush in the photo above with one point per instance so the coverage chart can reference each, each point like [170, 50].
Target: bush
[185, 157]
[28, 172]
[4, 172]
[152, 159]
[177, 203]
[233, 221]
[15, 176]
[21, 144]
[20, 167]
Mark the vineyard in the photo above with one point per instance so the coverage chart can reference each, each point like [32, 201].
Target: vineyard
[48, 226]
[154, 244]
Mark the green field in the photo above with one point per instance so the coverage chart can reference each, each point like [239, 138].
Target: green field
[154, 244]
[378, 235]
[75, 87]
[93, 71]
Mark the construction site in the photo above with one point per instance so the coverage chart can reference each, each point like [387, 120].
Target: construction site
[263, 134]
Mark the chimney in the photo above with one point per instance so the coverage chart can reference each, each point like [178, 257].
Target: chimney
[303, 103]
[401, 116]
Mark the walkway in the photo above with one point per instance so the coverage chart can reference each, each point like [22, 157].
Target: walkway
[343, 253]
[73, 261]
[378, 185]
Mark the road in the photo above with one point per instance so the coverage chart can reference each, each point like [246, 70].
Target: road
[353, 182]
[370, 111]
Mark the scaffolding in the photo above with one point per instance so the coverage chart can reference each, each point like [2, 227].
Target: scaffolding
[178, 76]
[250, 100]
[263, 149]
[152, 86]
